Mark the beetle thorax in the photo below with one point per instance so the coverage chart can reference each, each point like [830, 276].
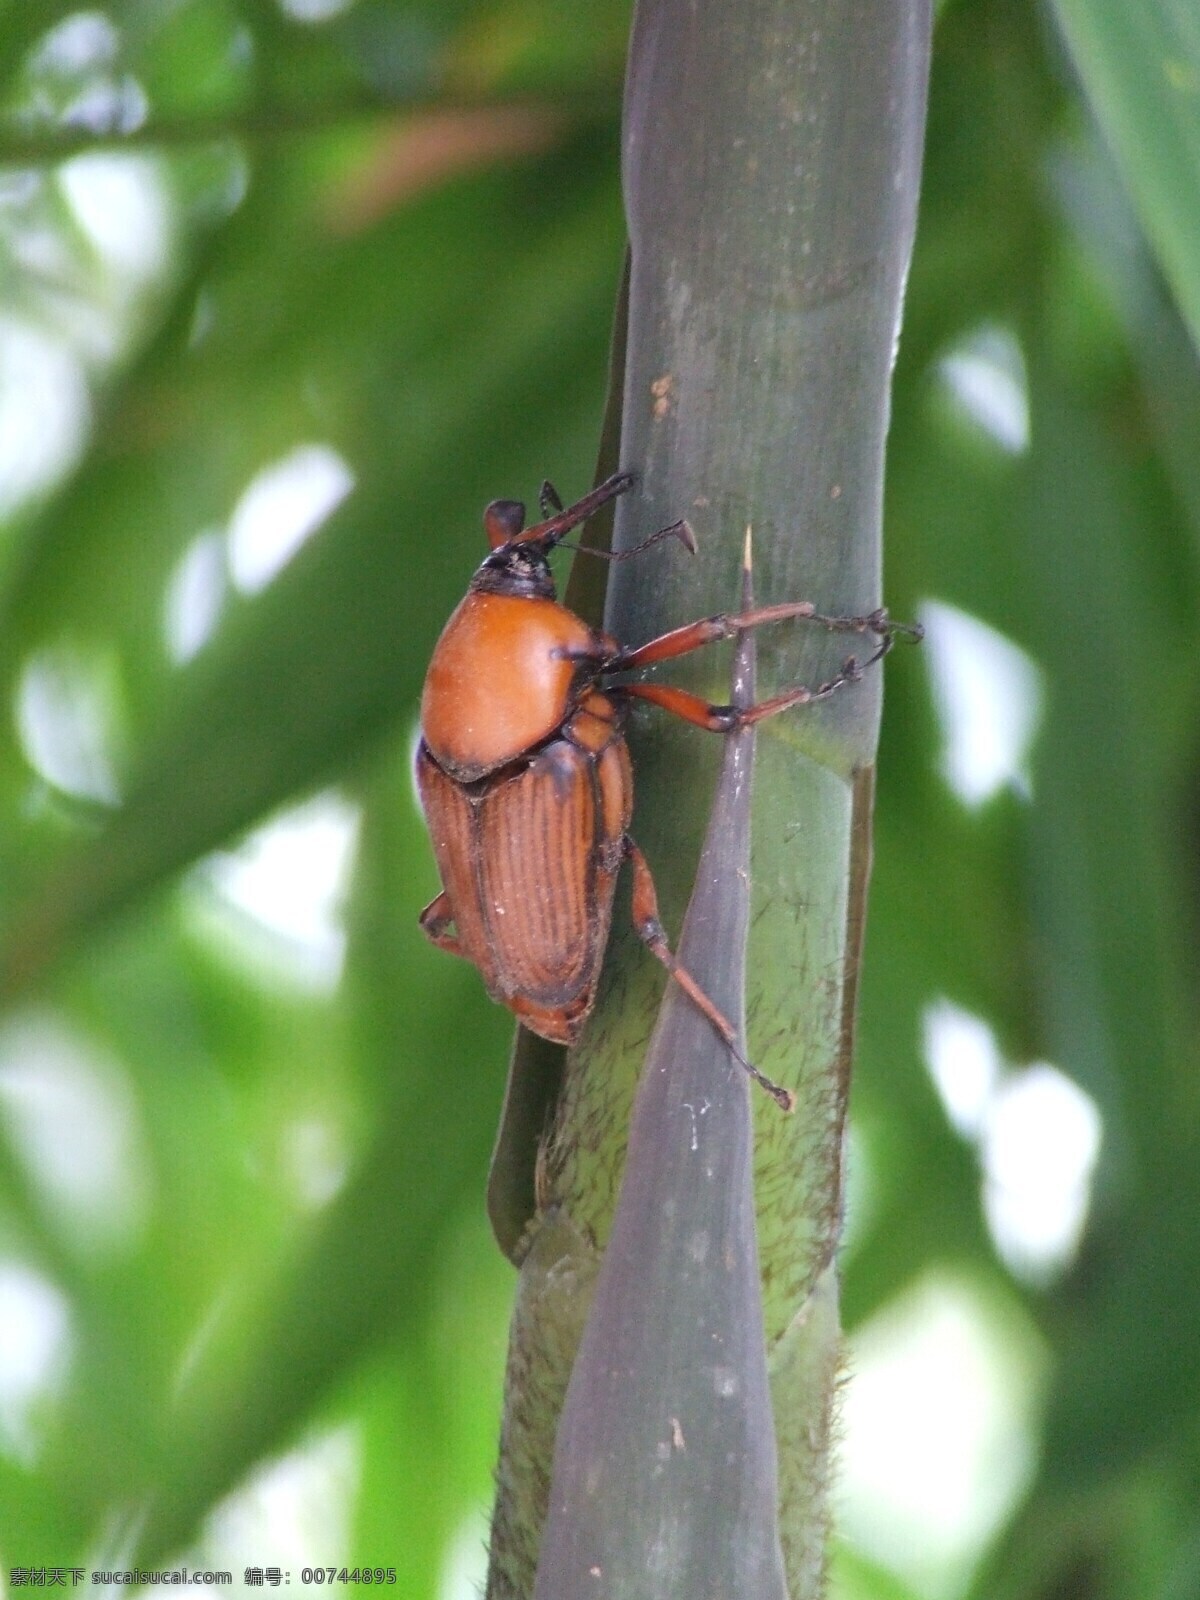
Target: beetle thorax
[518, 570]
[503, 678]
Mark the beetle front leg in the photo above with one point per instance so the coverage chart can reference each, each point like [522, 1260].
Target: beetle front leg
[435, 920]
[695, 635]
[653, 935]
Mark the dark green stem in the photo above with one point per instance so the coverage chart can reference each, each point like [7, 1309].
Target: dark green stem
[771, 170]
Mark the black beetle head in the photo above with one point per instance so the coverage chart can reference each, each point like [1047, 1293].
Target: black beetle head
[519, 561]
[517, 569]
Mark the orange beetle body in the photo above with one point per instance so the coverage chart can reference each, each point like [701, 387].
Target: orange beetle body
[501, 680]
[529, 858]
[525, 779]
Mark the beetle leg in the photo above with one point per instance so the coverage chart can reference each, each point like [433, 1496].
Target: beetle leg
[724, 719]
[435, 920]
[652, 934]
[694, 635]
[596, 654]
[549, 499]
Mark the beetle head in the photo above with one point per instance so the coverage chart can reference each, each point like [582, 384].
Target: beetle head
[519, 561]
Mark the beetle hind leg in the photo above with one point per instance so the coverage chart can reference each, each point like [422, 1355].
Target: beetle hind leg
[436, 920]
[653, 935]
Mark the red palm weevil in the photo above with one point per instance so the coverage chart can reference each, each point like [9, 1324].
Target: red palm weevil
[525, 777]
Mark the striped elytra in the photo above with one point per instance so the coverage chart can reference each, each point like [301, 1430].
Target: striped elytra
[528, 860]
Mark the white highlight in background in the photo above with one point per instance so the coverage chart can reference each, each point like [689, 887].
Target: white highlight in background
[937, 1444]
[987, 692]
[464, 1566]
[316, 1162]
[45, 412]
[35, 1342]
[195, 596]
[1038, 1136]
[314, 10]
[281, 508]
[121, 204]
[80, 55]
[964, 1062]
[289, 879]
[84, 39]
[66, 715]
[294, 1512]
[72, 1119]
[985, 375]
[1040, 1146]
[123, 208]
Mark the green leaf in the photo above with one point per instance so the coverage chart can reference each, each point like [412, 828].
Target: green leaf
[331, 655]
[1141, 68]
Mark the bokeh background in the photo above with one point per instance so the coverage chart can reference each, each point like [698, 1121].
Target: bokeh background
[288, 290]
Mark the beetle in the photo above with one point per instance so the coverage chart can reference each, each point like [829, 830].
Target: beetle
[525, 777]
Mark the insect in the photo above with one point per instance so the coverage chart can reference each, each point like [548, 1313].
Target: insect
[525, 777]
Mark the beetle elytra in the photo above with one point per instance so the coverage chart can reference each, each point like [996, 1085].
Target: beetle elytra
[525, 778]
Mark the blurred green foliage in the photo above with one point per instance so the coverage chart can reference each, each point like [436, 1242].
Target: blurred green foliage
[242, 1247]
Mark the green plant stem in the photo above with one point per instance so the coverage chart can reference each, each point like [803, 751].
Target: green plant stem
[771, 168]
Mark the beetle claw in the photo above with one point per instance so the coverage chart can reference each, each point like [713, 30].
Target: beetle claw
[686, 535]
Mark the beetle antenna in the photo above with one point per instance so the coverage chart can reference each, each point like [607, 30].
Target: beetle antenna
[681, 530]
